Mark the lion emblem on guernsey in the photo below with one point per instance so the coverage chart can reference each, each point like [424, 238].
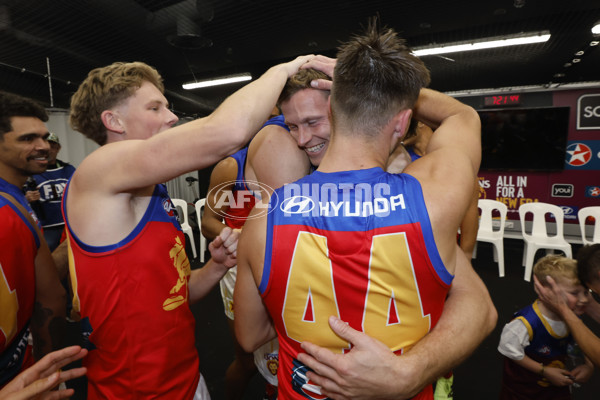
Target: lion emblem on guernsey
[179, 292]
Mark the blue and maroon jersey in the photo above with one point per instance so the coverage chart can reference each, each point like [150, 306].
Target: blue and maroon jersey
[20, 244]
[354, 244]
[546, 347]
[135, 295]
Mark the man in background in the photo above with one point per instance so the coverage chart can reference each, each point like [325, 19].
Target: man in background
[46, 193]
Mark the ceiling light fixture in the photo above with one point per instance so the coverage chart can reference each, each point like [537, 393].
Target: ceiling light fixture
[218, 81]
[596, 28]
[487, 43]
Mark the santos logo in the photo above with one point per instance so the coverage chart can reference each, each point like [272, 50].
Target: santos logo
[562, 190]
[588, 111]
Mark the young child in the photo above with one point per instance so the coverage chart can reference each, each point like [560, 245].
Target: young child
[535, 342]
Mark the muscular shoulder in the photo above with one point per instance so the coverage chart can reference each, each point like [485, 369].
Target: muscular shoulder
[100, 168]
[226, 168]
[223, 175]
[274, 158]
[445, 180]
[269, 137]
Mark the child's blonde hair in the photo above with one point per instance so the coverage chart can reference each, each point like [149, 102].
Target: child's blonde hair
[557, 267]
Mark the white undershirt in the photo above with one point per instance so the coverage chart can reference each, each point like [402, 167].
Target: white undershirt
[515, 337]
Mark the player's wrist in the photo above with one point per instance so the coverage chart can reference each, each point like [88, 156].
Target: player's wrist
[410, 375]
[220, 268]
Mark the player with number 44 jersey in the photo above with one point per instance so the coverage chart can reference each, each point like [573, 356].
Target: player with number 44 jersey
[326, 238]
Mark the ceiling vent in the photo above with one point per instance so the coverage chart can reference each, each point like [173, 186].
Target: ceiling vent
[189, 35]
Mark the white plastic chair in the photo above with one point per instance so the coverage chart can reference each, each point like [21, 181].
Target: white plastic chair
[539, 238]
[199, 204]
[583, 214]
[486, 232]
[185, 225]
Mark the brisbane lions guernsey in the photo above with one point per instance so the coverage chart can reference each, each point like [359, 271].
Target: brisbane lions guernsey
[135, 295]
[20, 244]
[357, 245]
[546, 347]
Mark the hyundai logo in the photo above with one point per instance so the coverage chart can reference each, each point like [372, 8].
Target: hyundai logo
[297, 205]
[567, 210]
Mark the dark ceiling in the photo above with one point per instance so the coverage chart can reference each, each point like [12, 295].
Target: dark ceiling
[196, 39]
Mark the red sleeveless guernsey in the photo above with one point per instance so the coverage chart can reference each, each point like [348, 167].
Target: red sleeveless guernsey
[135, 295]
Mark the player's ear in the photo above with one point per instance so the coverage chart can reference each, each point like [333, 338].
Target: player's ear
[111, 121]
[401, 123]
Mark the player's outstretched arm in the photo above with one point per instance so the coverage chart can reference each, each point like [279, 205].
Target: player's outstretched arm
[134, 164]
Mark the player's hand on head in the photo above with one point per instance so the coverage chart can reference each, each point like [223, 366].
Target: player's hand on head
[321, 63]
[293, 66]
[325, 65]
